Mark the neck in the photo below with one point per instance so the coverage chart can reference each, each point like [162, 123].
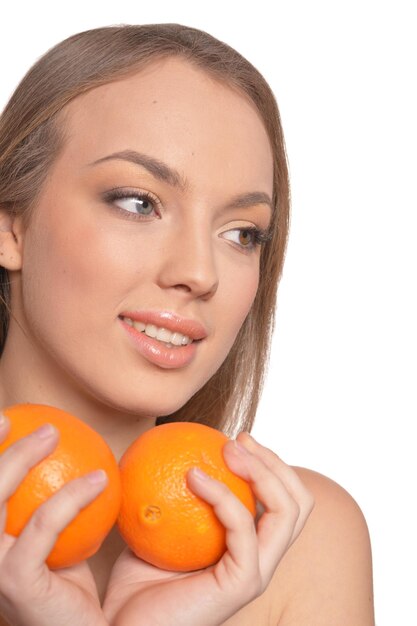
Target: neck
[24, 377]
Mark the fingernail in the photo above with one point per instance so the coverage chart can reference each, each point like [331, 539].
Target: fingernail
[45, 431]
[239, 448]
[98, 476]
[198, 473]
[3, 420]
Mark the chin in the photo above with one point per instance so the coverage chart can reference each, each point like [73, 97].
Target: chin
[149, 404]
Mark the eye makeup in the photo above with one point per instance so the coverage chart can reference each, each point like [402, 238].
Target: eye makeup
[149, 203]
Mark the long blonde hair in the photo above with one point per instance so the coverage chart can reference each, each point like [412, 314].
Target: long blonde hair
[31, 137]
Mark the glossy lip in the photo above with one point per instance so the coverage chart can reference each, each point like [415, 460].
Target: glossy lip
[169, 320]
[157, 353]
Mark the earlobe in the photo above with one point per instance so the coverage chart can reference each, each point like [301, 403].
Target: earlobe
[11, 241]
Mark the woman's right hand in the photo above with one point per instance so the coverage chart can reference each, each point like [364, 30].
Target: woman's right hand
[30, 593]
[140, 594]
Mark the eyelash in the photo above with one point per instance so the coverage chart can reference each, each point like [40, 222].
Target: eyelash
[259, 235]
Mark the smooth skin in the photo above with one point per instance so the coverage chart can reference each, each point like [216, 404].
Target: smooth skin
[81, 262]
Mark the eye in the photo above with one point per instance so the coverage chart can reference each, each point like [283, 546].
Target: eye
[250, 237]
[136, 205]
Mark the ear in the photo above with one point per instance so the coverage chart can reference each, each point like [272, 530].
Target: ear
[11, 240]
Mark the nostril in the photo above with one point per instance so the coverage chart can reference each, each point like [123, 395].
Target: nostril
[183, 288]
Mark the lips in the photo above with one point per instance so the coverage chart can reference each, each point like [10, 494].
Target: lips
[159, 353]
[169, 320]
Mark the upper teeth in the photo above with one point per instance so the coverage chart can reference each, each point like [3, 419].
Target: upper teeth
[162, 334]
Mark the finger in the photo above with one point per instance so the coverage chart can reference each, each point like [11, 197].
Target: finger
[241, 539]
[288, 476]
[276, 526]
[273, 461]
[39, 536]
[4, 426]
[19, 458]
[4, 431]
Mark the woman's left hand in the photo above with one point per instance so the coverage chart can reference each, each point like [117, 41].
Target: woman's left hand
[140, 594]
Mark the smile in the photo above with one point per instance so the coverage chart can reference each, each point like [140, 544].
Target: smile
[161, 334]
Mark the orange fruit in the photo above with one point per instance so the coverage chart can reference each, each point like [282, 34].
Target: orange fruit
[79, 450]
[161, 519]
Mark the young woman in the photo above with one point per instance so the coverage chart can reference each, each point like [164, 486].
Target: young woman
[143, 175]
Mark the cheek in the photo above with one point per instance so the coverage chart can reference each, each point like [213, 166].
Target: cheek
[233, 305]
[241, 294]
[89, 270]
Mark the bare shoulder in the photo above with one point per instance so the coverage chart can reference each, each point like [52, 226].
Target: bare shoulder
[326, 575]
[333, 504]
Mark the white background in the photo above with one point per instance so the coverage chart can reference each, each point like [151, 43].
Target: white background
[340, 396]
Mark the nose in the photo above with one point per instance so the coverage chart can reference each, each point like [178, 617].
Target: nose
[188, 263]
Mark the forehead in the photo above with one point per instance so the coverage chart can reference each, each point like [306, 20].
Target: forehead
[177, 113]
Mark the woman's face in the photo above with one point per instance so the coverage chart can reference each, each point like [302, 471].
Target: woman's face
[89, 257]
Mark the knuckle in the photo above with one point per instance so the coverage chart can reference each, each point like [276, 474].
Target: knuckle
[293, 510]
[16, 450]
[310, 501]
[255, 587]
[249, 586]
[41, 520]
[277, 464]
[223, 490]
[75, 493]
[21, 452]
[72, 489]
[246, 523]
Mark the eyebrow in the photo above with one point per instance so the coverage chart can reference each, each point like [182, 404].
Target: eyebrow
[166, 174]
